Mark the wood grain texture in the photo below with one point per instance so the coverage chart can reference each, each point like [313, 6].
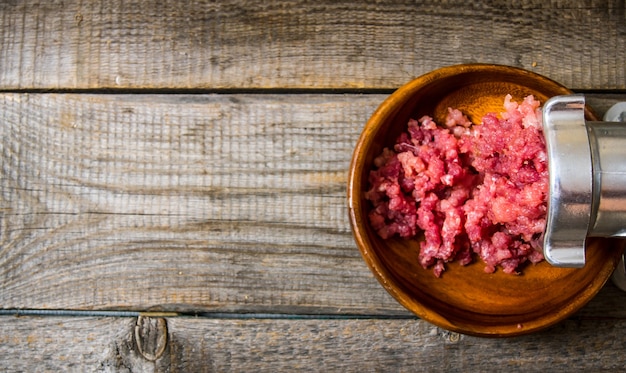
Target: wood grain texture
[228, 204]
[80, 344]
[187, 203]
[85, 44]
[63, 344]
[181, 202]
[389, 345]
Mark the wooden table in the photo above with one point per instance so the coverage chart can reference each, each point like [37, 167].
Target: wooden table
[172, 180]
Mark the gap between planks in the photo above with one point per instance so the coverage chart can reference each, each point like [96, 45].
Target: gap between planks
[205, 315]
[247, 91]
[205, 91]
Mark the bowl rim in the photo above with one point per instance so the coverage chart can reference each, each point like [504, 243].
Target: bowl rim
[381, 273]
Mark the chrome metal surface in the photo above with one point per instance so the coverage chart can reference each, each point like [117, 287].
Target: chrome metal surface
[608, 151]
[617, 113]
[587, 196]
[570, 168]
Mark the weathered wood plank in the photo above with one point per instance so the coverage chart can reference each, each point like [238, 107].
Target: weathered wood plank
[76, 344]
[390, 345]
[181, 202]
[188, 203]
[62, 344]
[85, 44]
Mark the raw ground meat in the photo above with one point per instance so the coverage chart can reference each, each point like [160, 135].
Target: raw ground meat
[471, 190]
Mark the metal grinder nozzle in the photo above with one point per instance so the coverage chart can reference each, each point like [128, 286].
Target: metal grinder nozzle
[587, 167]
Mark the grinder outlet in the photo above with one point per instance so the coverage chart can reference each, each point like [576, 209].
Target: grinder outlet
[587, 166]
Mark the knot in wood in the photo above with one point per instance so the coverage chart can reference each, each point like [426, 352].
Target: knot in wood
[151, 337]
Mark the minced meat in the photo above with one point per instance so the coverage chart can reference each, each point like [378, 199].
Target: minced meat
[469, 189]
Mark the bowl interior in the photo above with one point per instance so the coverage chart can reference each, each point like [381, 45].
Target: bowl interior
[465, 298]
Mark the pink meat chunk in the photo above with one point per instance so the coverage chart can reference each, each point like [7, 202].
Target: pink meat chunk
[470, 190]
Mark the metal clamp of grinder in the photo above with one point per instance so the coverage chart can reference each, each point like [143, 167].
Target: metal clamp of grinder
[587, 166]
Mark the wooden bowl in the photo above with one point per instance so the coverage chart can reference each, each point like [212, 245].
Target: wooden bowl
[466, 299]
